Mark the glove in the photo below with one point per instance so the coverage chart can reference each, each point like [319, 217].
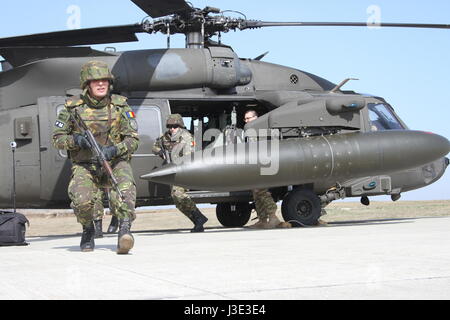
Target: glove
[109, 152]
[81, 141]
[162, 154]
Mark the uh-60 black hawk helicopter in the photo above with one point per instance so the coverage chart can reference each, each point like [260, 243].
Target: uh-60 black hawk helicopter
[324, 143]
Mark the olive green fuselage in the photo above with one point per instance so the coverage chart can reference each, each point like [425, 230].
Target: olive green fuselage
[210, 87]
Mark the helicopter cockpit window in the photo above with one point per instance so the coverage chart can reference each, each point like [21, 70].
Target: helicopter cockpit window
[382, 118]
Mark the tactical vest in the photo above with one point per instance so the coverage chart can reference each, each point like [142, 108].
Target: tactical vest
[179, 145]
[104, 123]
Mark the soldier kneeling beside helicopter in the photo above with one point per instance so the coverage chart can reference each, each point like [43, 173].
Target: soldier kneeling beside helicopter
[99, 131]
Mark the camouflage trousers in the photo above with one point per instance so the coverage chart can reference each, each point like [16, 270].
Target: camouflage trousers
[264, 204]
[99, 210]
[182, 201]
[86, 191]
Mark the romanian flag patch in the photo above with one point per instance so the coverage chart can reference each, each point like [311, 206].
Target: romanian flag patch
[130, 115]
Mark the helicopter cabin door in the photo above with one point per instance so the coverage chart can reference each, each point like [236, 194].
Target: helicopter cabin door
[151, 115]
[55, 165]
[19, 131]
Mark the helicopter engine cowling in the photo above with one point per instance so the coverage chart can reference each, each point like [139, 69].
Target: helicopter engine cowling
[173, 69]
[318, 113]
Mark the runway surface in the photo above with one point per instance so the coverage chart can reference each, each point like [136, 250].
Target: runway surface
[377, 259]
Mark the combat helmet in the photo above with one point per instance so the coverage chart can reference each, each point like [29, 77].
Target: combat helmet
[95, 70]
[175, 119]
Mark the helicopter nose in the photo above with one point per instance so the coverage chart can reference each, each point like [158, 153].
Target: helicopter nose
[438, 145]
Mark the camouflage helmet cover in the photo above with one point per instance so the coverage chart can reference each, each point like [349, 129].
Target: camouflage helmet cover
[175, 119]
[95, 70]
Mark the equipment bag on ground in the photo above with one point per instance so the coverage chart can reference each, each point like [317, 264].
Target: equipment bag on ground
[12, 229]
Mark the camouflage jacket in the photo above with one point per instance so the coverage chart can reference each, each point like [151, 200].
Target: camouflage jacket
[114, 124]
[179, 145]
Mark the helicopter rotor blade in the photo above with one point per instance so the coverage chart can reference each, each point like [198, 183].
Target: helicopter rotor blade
[101, 35]
[251, 24]
[160, 8]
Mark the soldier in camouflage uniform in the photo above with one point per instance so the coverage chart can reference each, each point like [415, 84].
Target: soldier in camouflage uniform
[114, 126]
[174, 144]
[265, 206]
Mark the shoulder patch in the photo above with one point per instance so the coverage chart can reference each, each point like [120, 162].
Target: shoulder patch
[130, 114]
[62, 119]
[59, 124]
[134, 125]
[119, 100]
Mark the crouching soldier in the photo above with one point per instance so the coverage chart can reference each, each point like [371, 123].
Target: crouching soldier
[175, 143]
[114, 127]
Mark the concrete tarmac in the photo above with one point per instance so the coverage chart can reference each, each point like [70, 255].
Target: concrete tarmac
[379, 259]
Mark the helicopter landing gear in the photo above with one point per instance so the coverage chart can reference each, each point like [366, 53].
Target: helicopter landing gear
[233, 214]
[301, 207]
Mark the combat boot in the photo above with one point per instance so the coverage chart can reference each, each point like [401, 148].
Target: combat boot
[261, 224]
[199, 220]
[273, 221]
[87, 238]
[284, 225]
[113, 225]
[322, 223]
[125, 240]
[98, 228]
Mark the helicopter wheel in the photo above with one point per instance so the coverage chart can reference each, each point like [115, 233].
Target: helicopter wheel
[233, 214]
[301, 206]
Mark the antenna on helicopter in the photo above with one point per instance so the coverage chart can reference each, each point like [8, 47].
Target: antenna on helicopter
[340, 85]
[261, 56]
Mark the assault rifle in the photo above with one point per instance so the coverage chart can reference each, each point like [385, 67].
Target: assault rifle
[165, 154]
[96, 150]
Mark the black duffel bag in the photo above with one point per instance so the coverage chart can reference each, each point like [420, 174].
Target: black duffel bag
[12, 229]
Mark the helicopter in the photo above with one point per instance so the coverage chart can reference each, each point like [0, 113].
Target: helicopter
[212, 88]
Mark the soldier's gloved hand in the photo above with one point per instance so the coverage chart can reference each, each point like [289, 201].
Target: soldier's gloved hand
[162, 154]
[110, 152]
[81, 141]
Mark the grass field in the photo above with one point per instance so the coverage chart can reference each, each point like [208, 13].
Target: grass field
[342, 211]
[63, 222]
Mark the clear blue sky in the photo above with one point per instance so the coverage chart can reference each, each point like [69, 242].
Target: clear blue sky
[410, 68]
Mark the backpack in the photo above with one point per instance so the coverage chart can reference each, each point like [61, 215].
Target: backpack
[12, 229]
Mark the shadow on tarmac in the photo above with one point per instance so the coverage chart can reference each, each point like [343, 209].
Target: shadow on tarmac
[246, 229]
[98, 247]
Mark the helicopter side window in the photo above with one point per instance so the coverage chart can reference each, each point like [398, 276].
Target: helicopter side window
[149, 127]
[382, 118]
